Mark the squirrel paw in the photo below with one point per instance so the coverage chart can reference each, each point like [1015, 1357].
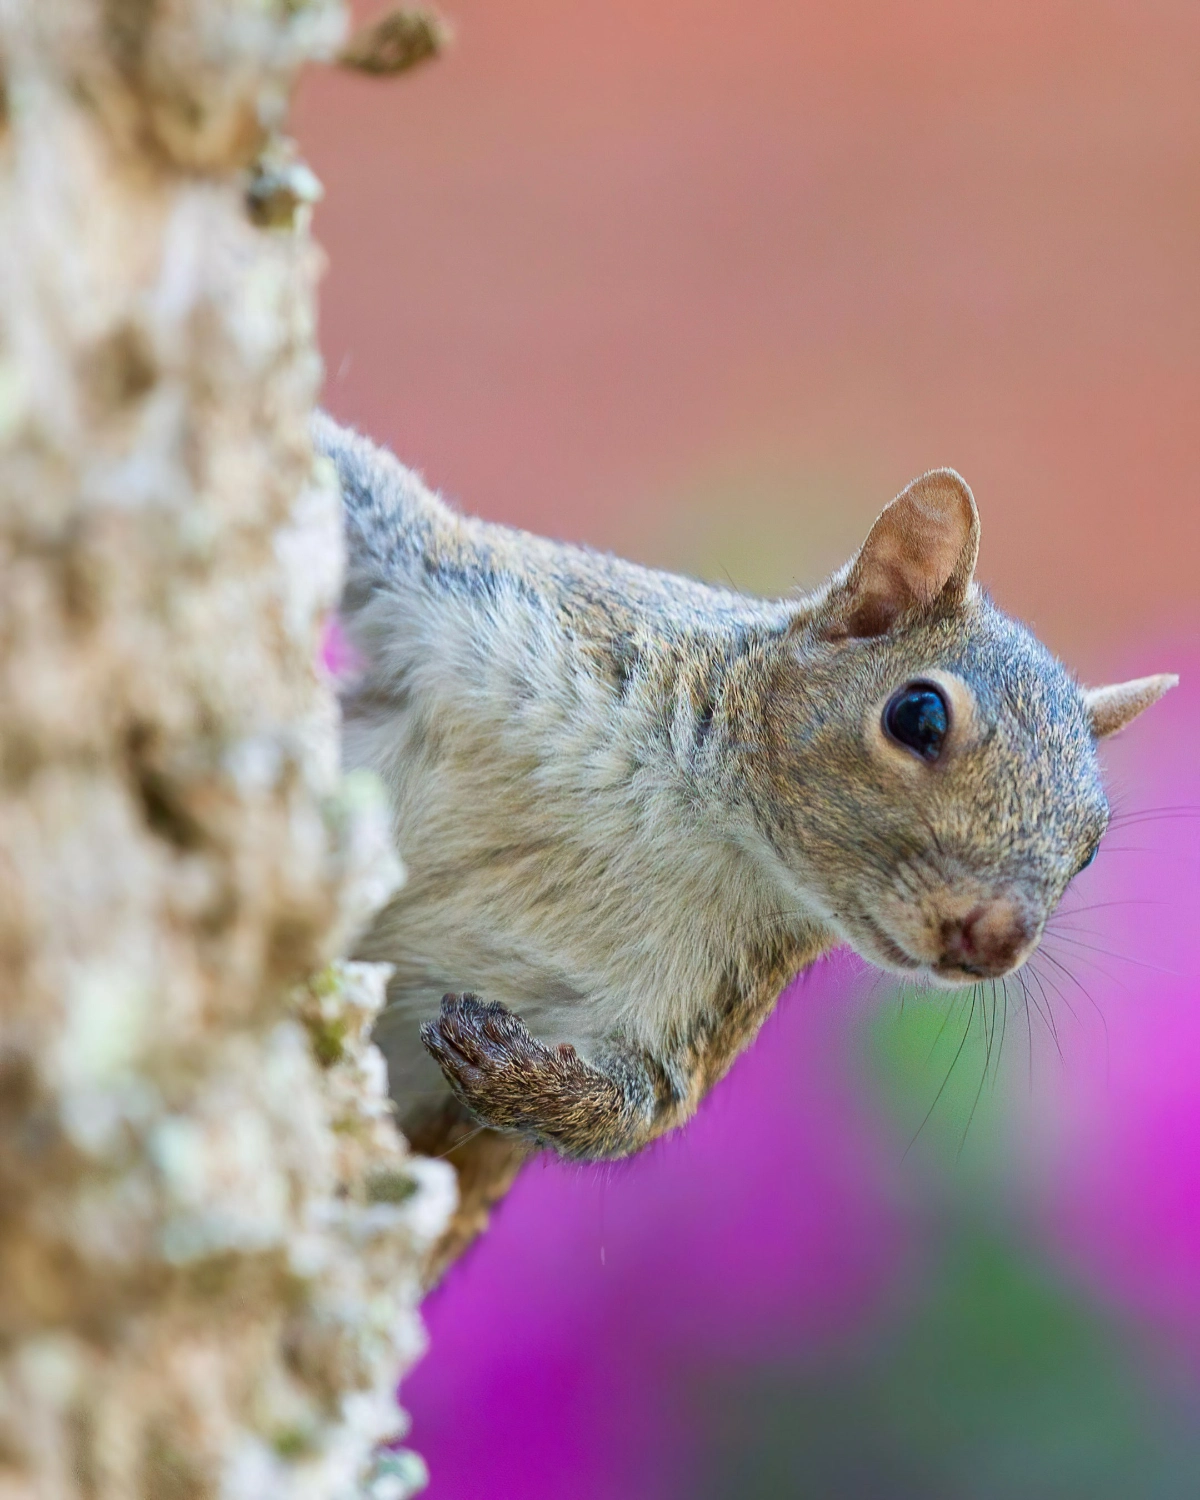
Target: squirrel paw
[507, 1078]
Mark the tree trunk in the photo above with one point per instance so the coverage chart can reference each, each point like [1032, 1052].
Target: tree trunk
[209, 1229]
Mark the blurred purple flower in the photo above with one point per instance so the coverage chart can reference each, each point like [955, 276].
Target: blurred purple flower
[563, 1347]
[1124, 1174]
[338, 655]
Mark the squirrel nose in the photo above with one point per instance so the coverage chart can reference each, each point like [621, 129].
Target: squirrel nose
[988, 940]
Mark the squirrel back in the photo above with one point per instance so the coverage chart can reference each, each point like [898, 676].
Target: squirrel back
[546, 721]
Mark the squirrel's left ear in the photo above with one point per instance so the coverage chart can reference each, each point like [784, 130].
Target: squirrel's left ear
[918, 559]
[1111, 708]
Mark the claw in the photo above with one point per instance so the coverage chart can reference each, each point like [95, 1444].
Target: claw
[473, 1037]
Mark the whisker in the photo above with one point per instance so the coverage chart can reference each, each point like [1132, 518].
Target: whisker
[1153, 815]
[462, 1141]
[1078, 911]
[1047, 1015]
[1028, 1027]
[880, 976]
[989, 1031]
[1050, 958]
[956, 1002]
[1003, 1031]
[1082, 958]
[1096, 1007]
[946, 1080]
[989, 1034]
[1074, 978]
[1091, 1001]
[1142, 963]
[979, 1091]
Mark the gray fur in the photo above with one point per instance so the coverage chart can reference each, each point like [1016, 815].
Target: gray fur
[632, 805]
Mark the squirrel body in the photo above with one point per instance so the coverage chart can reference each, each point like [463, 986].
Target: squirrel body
[633, 806]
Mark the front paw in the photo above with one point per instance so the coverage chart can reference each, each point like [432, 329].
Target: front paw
[504, 1075]
[476, 1041]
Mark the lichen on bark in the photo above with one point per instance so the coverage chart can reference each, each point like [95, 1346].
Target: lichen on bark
[211, 1230]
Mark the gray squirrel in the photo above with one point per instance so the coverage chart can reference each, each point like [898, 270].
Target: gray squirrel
[633, 806]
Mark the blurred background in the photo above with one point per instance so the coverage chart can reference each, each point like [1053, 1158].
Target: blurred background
[707, 285]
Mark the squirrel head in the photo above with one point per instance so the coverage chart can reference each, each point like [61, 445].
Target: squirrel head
[931, 775]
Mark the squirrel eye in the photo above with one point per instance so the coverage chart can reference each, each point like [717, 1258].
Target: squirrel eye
[1087, 858]
[918, 717]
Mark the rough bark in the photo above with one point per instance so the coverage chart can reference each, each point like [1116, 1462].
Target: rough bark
[209, 1229]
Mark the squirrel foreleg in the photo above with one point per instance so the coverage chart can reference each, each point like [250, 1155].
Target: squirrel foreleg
[511, 1081]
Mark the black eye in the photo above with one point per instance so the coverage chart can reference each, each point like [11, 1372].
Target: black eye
[918, 717]
[1088, 857]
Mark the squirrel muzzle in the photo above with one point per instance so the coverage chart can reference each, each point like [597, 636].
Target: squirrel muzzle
[987, 941]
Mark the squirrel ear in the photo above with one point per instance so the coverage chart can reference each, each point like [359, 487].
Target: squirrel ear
[918, 558]
[1111, 708]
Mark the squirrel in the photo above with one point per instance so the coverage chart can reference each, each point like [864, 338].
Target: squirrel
[633, 806]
